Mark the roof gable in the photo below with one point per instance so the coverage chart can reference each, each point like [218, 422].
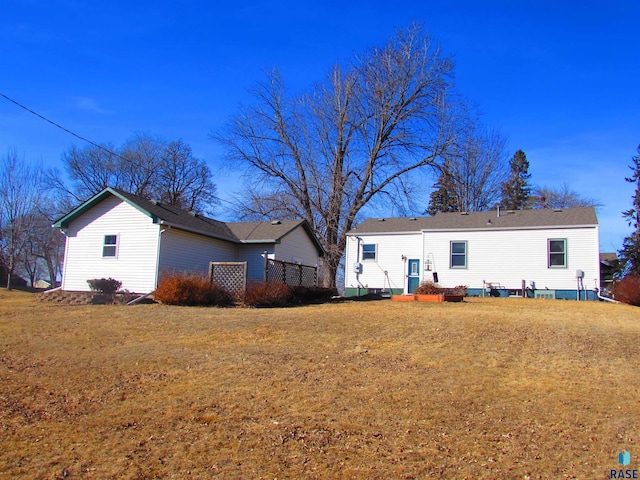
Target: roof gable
[507, 219]
[271, 232]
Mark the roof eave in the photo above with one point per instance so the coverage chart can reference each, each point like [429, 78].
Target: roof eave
[197, 231]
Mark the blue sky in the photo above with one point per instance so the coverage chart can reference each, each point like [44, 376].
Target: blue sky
[559, 79]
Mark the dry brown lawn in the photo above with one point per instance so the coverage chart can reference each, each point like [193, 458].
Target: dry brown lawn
[489, 388]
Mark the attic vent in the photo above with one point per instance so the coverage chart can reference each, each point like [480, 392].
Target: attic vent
[413, 219]
[193, 214]
[155, 202]
[276, 222]
[381, 219]
[511, 212]
[464, 213]
[557, 209]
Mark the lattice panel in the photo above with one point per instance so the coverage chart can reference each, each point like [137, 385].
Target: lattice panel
[232, 276]
[291, 274]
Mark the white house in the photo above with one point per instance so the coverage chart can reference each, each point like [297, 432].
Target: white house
[134, 240]
[555, 253]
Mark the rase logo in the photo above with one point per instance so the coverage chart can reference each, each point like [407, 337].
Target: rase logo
[624, 459]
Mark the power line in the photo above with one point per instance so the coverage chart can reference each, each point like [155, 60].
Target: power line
[65, 129]
[129, 160]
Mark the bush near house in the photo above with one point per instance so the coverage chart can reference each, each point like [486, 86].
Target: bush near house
[306, 295]
[106, 286]
[267, 294]
[431, 288]
[192, 290]
[627, 290]
[428, 288]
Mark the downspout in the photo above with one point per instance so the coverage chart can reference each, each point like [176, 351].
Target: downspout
[162, 230]
[63, 277]
[606, 299]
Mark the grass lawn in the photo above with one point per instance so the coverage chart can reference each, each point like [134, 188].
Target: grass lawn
[488, 388]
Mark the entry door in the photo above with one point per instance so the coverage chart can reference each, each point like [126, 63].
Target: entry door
[413, 274]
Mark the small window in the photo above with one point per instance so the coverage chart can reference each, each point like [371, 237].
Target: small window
[557, 252]
[459, 254]
[110, 246]
[369, 251]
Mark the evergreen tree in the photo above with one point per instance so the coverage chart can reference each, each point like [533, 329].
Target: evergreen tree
[516, 190]
[441, 198]
[630, 253]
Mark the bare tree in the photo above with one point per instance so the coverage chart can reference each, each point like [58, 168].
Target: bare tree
[141, 159]
[146, 165]
[475, 169]
[560, 197]
[91, 170]
[45, 245]
[20, 190]
[326, 154]
[184, 181]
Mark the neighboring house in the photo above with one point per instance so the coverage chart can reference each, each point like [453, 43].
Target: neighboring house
[555, 252]
[135, 240]
[609, 265]
[42, 284]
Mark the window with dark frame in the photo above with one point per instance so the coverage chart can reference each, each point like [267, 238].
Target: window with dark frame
[557, 253]
[109, 249]
[369, 251]
[458, 254]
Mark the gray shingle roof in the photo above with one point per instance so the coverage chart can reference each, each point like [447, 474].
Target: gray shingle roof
[259, 231]
[236, 232]
[180, 218]
[481, 220]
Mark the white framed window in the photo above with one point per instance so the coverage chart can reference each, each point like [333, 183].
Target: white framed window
[458, 254]
[369, 251]
[110, 246]
[557, 253]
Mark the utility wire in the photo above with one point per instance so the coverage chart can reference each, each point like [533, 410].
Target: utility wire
[65, 129]
[81, 137]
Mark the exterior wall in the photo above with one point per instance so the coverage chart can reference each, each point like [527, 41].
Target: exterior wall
[389, 257]
[182, 251]
[509, 256]
[135, 262]
[252, 253]
[296, 247]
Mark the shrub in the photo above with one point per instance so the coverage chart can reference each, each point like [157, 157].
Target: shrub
[191, 290]
[107, 286]
[627, 290]
[459, 290]
[306, 295]
[428, 288]
[267, 294]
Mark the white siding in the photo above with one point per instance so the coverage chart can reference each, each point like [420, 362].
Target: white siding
[390, 250]
[182, 251]
[135, 263]
[296, 246]
[510, 256]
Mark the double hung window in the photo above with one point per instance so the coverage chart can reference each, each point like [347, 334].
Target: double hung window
[110, 246]
[369, 251]
[458, 254]
[557, 253]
